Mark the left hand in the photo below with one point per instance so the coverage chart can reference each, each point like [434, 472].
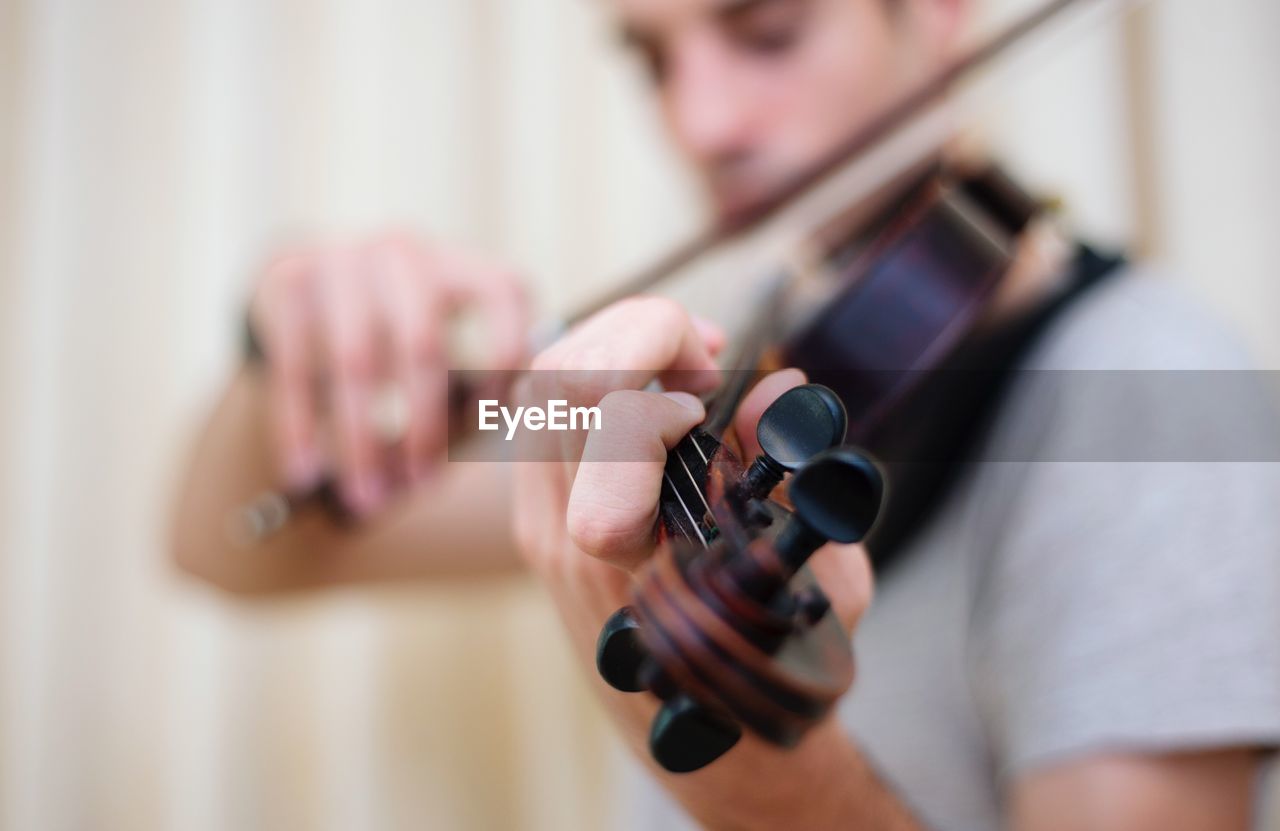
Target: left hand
[586, 522]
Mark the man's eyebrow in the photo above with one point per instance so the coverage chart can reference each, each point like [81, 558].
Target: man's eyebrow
[631, 36]
[729, 9]
[726, 11]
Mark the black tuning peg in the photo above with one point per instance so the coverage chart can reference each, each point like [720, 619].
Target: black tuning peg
[620, 656]
[802, 423]
[686, 736]
[836, 496]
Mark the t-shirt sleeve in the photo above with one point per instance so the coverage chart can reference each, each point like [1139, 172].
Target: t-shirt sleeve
[1131, 599]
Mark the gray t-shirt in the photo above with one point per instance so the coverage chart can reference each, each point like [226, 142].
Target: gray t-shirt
[1107, 578]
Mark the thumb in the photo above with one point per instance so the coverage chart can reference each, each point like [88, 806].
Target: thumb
[844, 572]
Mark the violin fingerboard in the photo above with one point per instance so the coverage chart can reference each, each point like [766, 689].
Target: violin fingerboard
[683, 509]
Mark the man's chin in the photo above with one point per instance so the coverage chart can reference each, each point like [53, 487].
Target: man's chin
[743, 200]
[734, 210]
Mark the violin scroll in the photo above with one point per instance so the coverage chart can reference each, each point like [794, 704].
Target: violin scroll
[729, 629]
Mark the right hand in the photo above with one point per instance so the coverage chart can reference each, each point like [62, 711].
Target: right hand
[359, 316]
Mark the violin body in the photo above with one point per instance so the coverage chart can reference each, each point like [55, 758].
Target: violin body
[913, 288]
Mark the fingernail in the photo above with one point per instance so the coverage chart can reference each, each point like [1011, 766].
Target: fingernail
[684, 399]
[303, 470]
[710, 332]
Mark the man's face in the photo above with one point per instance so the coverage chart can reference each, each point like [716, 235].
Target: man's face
[754, 91]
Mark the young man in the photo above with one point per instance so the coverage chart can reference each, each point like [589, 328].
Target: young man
[1074, 643]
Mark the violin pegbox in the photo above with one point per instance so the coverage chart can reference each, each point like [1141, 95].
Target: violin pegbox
[727, 627]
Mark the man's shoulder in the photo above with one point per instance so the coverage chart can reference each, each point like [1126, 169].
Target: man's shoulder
[1137, 369]
[1141, 318]
[1135, 542]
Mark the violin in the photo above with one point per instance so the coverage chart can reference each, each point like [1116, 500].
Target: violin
[726, 625]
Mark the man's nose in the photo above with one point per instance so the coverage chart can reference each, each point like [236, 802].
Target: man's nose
[711, 109]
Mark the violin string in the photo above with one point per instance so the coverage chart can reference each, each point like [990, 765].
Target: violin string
[687, 512]
[698, 448]
[697, 488]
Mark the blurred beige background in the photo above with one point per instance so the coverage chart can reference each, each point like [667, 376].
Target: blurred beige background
[152, 152]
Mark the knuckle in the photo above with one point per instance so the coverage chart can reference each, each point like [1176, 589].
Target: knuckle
[353, 358]
[599, 533]
[621, 403]
[421, 344]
